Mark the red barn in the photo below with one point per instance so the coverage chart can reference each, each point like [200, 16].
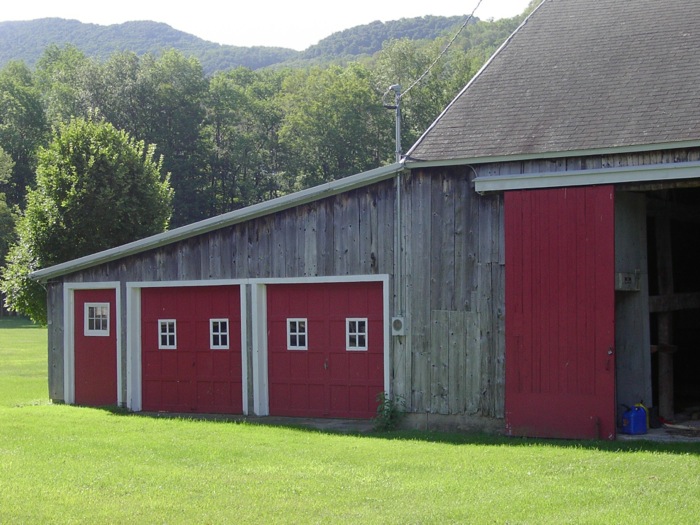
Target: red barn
[527, 268]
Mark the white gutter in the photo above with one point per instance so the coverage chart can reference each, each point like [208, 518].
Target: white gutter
[227, 219]
[627, 174]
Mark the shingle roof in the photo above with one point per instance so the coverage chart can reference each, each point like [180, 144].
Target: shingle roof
[580, 75]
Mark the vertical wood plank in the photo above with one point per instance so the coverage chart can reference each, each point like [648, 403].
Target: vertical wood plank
[473, 359]
[418, 306]
[310, 257]
[439, 359]
[56, 351]
[485, 337]
[457, 349]
[499, 347]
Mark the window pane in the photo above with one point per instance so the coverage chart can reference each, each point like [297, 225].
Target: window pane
[218, 334]
[296, 334]
[167, 334]
[96, 319]
[356, 334]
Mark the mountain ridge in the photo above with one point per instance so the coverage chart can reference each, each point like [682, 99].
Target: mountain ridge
[26, 40]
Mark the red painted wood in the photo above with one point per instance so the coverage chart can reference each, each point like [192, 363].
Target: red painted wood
[95, 356]
[192, 378]
[560, 306]
[326, 380]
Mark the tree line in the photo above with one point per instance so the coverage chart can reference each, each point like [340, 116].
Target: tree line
[234, 138]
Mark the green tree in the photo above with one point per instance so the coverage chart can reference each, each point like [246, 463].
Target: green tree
[241, 131]
[63, 75]
[172, 119]
[96, 188]
[23, 127]
[403, 62]
[335, 124]
[6, 219]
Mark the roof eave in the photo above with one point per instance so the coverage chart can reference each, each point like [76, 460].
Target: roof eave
[485, 159]
[221, 221]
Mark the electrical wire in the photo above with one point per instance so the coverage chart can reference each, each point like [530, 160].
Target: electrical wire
[442, 53]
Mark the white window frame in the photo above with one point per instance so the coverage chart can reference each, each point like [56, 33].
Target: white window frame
[295, 322]
[166, 323]
[219, 333]
[356, 333]
[96, 332]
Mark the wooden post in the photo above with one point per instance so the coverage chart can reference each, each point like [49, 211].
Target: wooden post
[664, 260]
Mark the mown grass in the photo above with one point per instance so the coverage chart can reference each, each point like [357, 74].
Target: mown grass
[23, 365]
[63, 464]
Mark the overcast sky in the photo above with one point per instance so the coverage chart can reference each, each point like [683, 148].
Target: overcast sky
[284, 23]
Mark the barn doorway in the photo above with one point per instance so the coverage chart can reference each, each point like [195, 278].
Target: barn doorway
[673, 233]
[658, 299]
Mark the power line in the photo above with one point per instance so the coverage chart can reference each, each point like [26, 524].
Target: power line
[449, 44]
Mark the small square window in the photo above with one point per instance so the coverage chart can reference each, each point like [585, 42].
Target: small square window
[297, 335]
[218, 334]
[167, 334]
[356, 334]
[96, 319]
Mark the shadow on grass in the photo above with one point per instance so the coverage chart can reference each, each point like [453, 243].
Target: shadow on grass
[328, 427]
[8, 323]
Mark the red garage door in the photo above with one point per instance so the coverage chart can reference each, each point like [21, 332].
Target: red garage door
[95, 332]
[325, 349]
[191, 349]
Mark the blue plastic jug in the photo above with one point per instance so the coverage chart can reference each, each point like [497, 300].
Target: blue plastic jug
[634, 421]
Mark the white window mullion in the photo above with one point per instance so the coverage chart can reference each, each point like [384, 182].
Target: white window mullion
[167, 334]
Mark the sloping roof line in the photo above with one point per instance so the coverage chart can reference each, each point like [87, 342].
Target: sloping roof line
[620, 150]
[292, 200]
[473, 79]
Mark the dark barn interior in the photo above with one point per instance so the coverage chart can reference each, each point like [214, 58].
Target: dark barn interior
[673, 247]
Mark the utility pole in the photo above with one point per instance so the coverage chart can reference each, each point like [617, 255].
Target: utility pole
[396, 88]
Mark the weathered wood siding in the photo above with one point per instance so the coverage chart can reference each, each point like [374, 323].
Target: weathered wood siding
[443, 249]
[55, 343]
[453, 284]
[451, 360]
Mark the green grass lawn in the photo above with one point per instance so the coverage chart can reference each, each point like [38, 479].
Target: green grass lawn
[63, 464]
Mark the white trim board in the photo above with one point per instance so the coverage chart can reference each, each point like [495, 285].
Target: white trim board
[627, 174]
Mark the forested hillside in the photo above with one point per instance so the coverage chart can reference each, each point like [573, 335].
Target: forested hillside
[238, 136]
[368, 39]
[26, 41]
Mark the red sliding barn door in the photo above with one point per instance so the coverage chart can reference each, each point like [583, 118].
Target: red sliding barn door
[95, 332]
[560, 304]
